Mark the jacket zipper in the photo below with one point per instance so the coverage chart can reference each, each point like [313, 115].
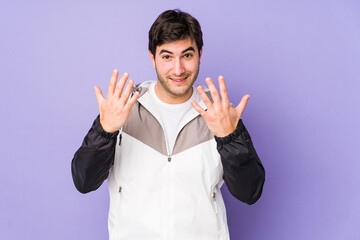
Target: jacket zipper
[167, 146]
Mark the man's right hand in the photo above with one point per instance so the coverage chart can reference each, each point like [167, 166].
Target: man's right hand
[115, 109]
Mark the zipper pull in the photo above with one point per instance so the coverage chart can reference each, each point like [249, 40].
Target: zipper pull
[214, 200]
[169, 158]
[120, 137]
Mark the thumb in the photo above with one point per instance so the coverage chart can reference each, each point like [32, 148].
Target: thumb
[99, 96]
[240, 108]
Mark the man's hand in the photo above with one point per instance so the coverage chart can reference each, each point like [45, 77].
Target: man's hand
[115, 109]
[220, 116]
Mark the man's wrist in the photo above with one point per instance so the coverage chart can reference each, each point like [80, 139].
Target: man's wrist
[103, 132]
[107, 129]
[231, 136]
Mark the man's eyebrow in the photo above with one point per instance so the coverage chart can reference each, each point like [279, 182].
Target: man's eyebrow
[167, 51]
[188, 49]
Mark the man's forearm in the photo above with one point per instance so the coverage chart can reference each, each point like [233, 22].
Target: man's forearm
[244, 174]
[93, 160]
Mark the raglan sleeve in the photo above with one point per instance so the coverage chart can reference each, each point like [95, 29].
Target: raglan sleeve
[93, 160]
[244, 173]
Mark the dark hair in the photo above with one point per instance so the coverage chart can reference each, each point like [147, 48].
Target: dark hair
[174, 25]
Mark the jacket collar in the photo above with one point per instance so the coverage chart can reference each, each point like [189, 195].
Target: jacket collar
[149, 103]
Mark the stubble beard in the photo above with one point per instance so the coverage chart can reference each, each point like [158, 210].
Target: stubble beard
[164, 84]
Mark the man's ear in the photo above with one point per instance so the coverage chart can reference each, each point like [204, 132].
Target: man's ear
[152, 58]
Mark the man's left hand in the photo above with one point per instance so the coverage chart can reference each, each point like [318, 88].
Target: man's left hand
[220, 116]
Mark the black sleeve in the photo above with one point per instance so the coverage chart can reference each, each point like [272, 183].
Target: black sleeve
[244, 174]
[93, 160]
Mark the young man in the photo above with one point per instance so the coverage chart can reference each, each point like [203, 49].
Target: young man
[166, 147]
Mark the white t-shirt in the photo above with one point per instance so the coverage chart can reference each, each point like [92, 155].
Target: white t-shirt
[172, 114]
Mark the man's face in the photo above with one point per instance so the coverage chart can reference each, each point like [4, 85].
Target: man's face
[177, 67]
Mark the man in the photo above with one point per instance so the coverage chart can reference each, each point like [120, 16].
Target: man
[166, 147]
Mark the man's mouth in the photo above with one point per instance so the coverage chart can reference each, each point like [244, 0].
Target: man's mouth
[179, 80]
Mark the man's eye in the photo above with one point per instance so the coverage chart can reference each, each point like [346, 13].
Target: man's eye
[188, 55]
[166, 57]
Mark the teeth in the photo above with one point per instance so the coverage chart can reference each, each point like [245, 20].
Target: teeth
[178, 80]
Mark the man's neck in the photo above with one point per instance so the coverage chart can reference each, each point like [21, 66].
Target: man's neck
[172, 99]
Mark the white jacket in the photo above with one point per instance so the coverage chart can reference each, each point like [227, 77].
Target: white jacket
[156, 193]
[160, 194]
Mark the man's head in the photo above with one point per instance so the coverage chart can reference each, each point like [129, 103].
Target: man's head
[172, 26]
[175, 47]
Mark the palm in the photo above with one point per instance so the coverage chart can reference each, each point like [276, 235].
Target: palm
[115, 109]
[220, 116]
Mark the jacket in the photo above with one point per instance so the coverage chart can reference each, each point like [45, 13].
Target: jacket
[161, 193]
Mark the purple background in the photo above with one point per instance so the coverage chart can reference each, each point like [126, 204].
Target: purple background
[299, 60]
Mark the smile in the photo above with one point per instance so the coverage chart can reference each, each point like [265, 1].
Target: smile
[179, 80]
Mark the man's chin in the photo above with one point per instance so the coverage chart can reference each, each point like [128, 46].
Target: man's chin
[181, 91]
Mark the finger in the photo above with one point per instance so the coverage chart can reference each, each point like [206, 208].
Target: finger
[131, 101]
[213, 90]
[223, 92]
[98, 94]
[205, 98]
[240, 108]
[126, 94]
[197, 107]
[120, 85]
[112, 83]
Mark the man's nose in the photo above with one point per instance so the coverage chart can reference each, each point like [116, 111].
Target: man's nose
[179, 67]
